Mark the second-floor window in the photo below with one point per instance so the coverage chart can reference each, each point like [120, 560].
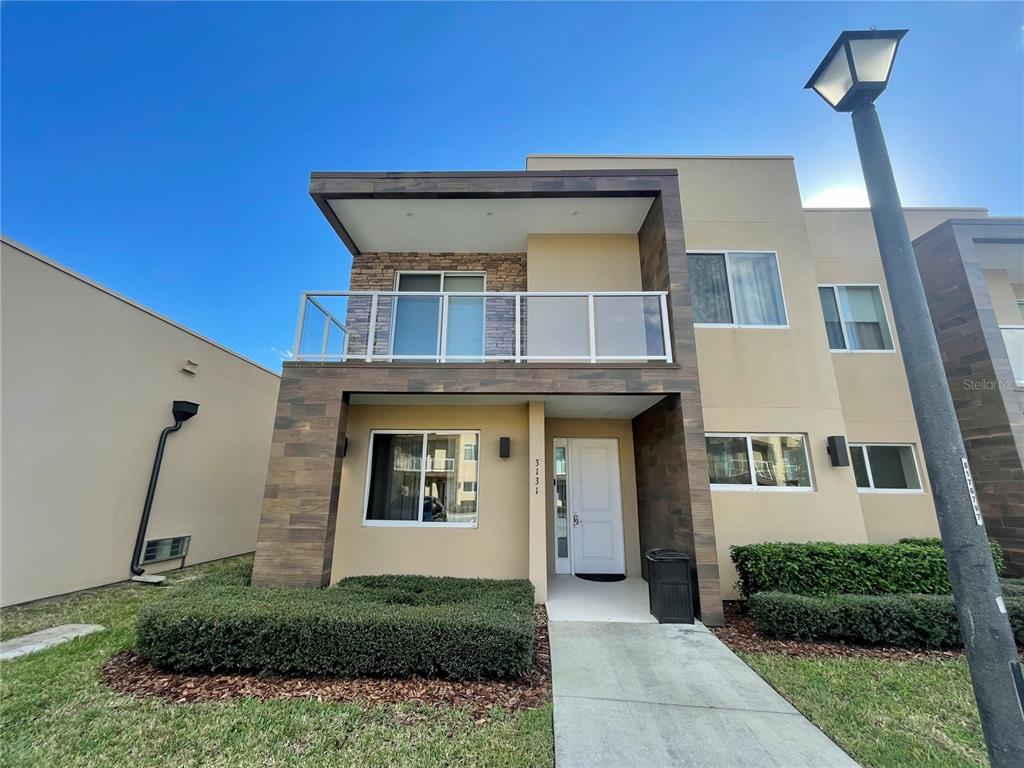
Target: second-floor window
[855, 318]
[737, 288]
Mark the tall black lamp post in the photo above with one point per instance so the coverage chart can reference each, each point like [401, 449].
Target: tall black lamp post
[850, 77]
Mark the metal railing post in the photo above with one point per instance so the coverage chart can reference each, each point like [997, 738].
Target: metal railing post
[297, 351]
[665, 330]
[444, 327]
[327, 334]
[593, 325]
[372, 331]
[518, 342]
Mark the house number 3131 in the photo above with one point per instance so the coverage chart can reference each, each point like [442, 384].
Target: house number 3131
[536, 477]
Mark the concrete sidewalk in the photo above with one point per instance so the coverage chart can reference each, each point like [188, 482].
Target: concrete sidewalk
[659, 695]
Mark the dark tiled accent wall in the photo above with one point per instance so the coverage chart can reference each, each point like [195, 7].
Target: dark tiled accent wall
[989, 407]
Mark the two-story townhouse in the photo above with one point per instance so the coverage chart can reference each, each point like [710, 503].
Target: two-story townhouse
[637, 352]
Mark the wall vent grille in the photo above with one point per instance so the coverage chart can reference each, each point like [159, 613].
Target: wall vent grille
[158, 550]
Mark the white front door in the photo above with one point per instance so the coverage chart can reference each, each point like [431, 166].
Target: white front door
[595, 506]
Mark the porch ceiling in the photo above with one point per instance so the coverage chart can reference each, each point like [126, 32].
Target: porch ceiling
[498, 225]
[555, 406]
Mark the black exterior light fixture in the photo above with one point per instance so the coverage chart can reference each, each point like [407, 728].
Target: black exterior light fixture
[856, 69]
[850, 77]
[504, 447]
[182, 411]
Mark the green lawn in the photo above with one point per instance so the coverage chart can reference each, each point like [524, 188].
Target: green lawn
[55, 711]
[906, 714]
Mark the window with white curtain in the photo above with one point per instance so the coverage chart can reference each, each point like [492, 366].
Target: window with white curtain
[737, 288]
[855, 318]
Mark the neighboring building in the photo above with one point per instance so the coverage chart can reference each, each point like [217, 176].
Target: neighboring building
[87, 383]
[666, 343]
[973, 272]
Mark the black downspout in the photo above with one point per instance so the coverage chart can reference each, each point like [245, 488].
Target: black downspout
[140, 539]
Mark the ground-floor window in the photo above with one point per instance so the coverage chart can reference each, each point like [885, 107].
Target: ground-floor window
[758, 462]
[417, 478]
[885, 467]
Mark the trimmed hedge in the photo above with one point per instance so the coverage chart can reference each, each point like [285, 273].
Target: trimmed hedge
[935, 541]
[908, 621]
[828, 568]
[383, 626]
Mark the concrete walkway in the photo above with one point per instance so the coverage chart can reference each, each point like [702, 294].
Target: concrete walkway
[45, 638]
[660, 695]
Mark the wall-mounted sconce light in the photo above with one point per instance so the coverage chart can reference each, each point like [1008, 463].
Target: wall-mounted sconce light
[838, 451]
[504, 447]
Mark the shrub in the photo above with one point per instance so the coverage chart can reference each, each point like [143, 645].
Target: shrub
[935, 541]
[386, 626]
[909, 621]
[827, 568]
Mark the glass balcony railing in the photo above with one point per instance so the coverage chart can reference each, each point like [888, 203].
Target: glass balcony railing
[460, 327]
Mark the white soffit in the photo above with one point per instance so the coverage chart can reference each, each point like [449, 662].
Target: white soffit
[495, 225]
[555, 406]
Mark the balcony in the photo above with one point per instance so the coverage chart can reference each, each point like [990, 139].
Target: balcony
[478, 327]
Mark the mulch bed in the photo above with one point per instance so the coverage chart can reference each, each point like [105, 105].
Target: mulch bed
[128, 673]
[740, 634]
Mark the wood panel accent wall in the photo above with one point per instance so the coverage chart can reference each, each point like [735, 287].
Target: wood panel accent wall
[989, 406]
[673, 492]
[295, 543]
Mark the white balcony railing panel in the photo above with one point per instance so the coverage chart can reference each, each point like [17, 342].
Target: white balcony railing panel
[392, 326]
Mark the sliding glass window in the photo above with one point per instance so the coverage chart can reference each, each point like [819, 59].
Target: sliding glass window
[737, 288]
[422, 479]
[758, 462]
[855, 318]
[889, 468]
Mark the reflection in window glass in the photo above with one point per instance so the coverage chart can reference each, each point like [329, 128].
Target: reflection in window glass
[747, 282]
[709, 288]
[728, 460]
[892, 466]
[860, 467]
[855, 317]
[833, 323]
[780, 461]
[417, 478]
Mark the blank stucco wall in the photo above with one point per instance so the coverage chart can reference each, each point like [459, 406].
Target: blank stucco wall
[87, 383]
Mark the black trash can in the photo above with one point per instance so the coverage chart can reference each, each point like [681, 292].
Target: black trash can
[670, 586]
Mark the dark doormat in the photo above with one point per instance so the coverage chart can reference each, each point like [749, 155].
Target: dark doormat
[601, 576]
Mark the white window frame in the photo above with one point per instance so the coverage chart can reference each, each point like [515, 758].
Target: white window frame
[476, 452]
[871, 477]
[367, 523]
[1017, 382]
[473, 489]
[842, 320]
[732, 294]
[753, 486]
[442, 321]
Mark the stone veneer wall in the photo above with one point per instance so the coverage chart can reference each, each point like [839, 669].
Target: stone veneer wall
[376, 272]
[989, 406]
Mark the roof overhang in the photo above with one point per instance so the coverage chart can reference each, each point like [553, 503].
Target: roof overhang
[477, 212]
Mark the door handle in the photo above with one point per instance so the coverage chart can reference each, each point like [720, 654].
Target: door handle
[575, 521]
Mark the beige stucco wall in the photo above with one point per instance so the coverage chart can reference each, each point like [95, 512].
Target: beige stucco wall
[622, 431]
[583, 263]
[497, 548]
[87, 385]
[1004, 296]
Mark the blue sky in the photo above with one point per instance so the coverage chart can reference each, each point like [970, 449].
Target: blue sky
[164, 149]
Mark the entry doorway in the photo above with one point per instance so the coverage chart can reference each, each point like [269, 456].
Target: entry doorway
[588, 506]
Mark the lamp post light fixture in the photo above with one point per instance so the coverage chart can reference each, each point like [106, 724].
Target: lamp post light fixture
[851, 76]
